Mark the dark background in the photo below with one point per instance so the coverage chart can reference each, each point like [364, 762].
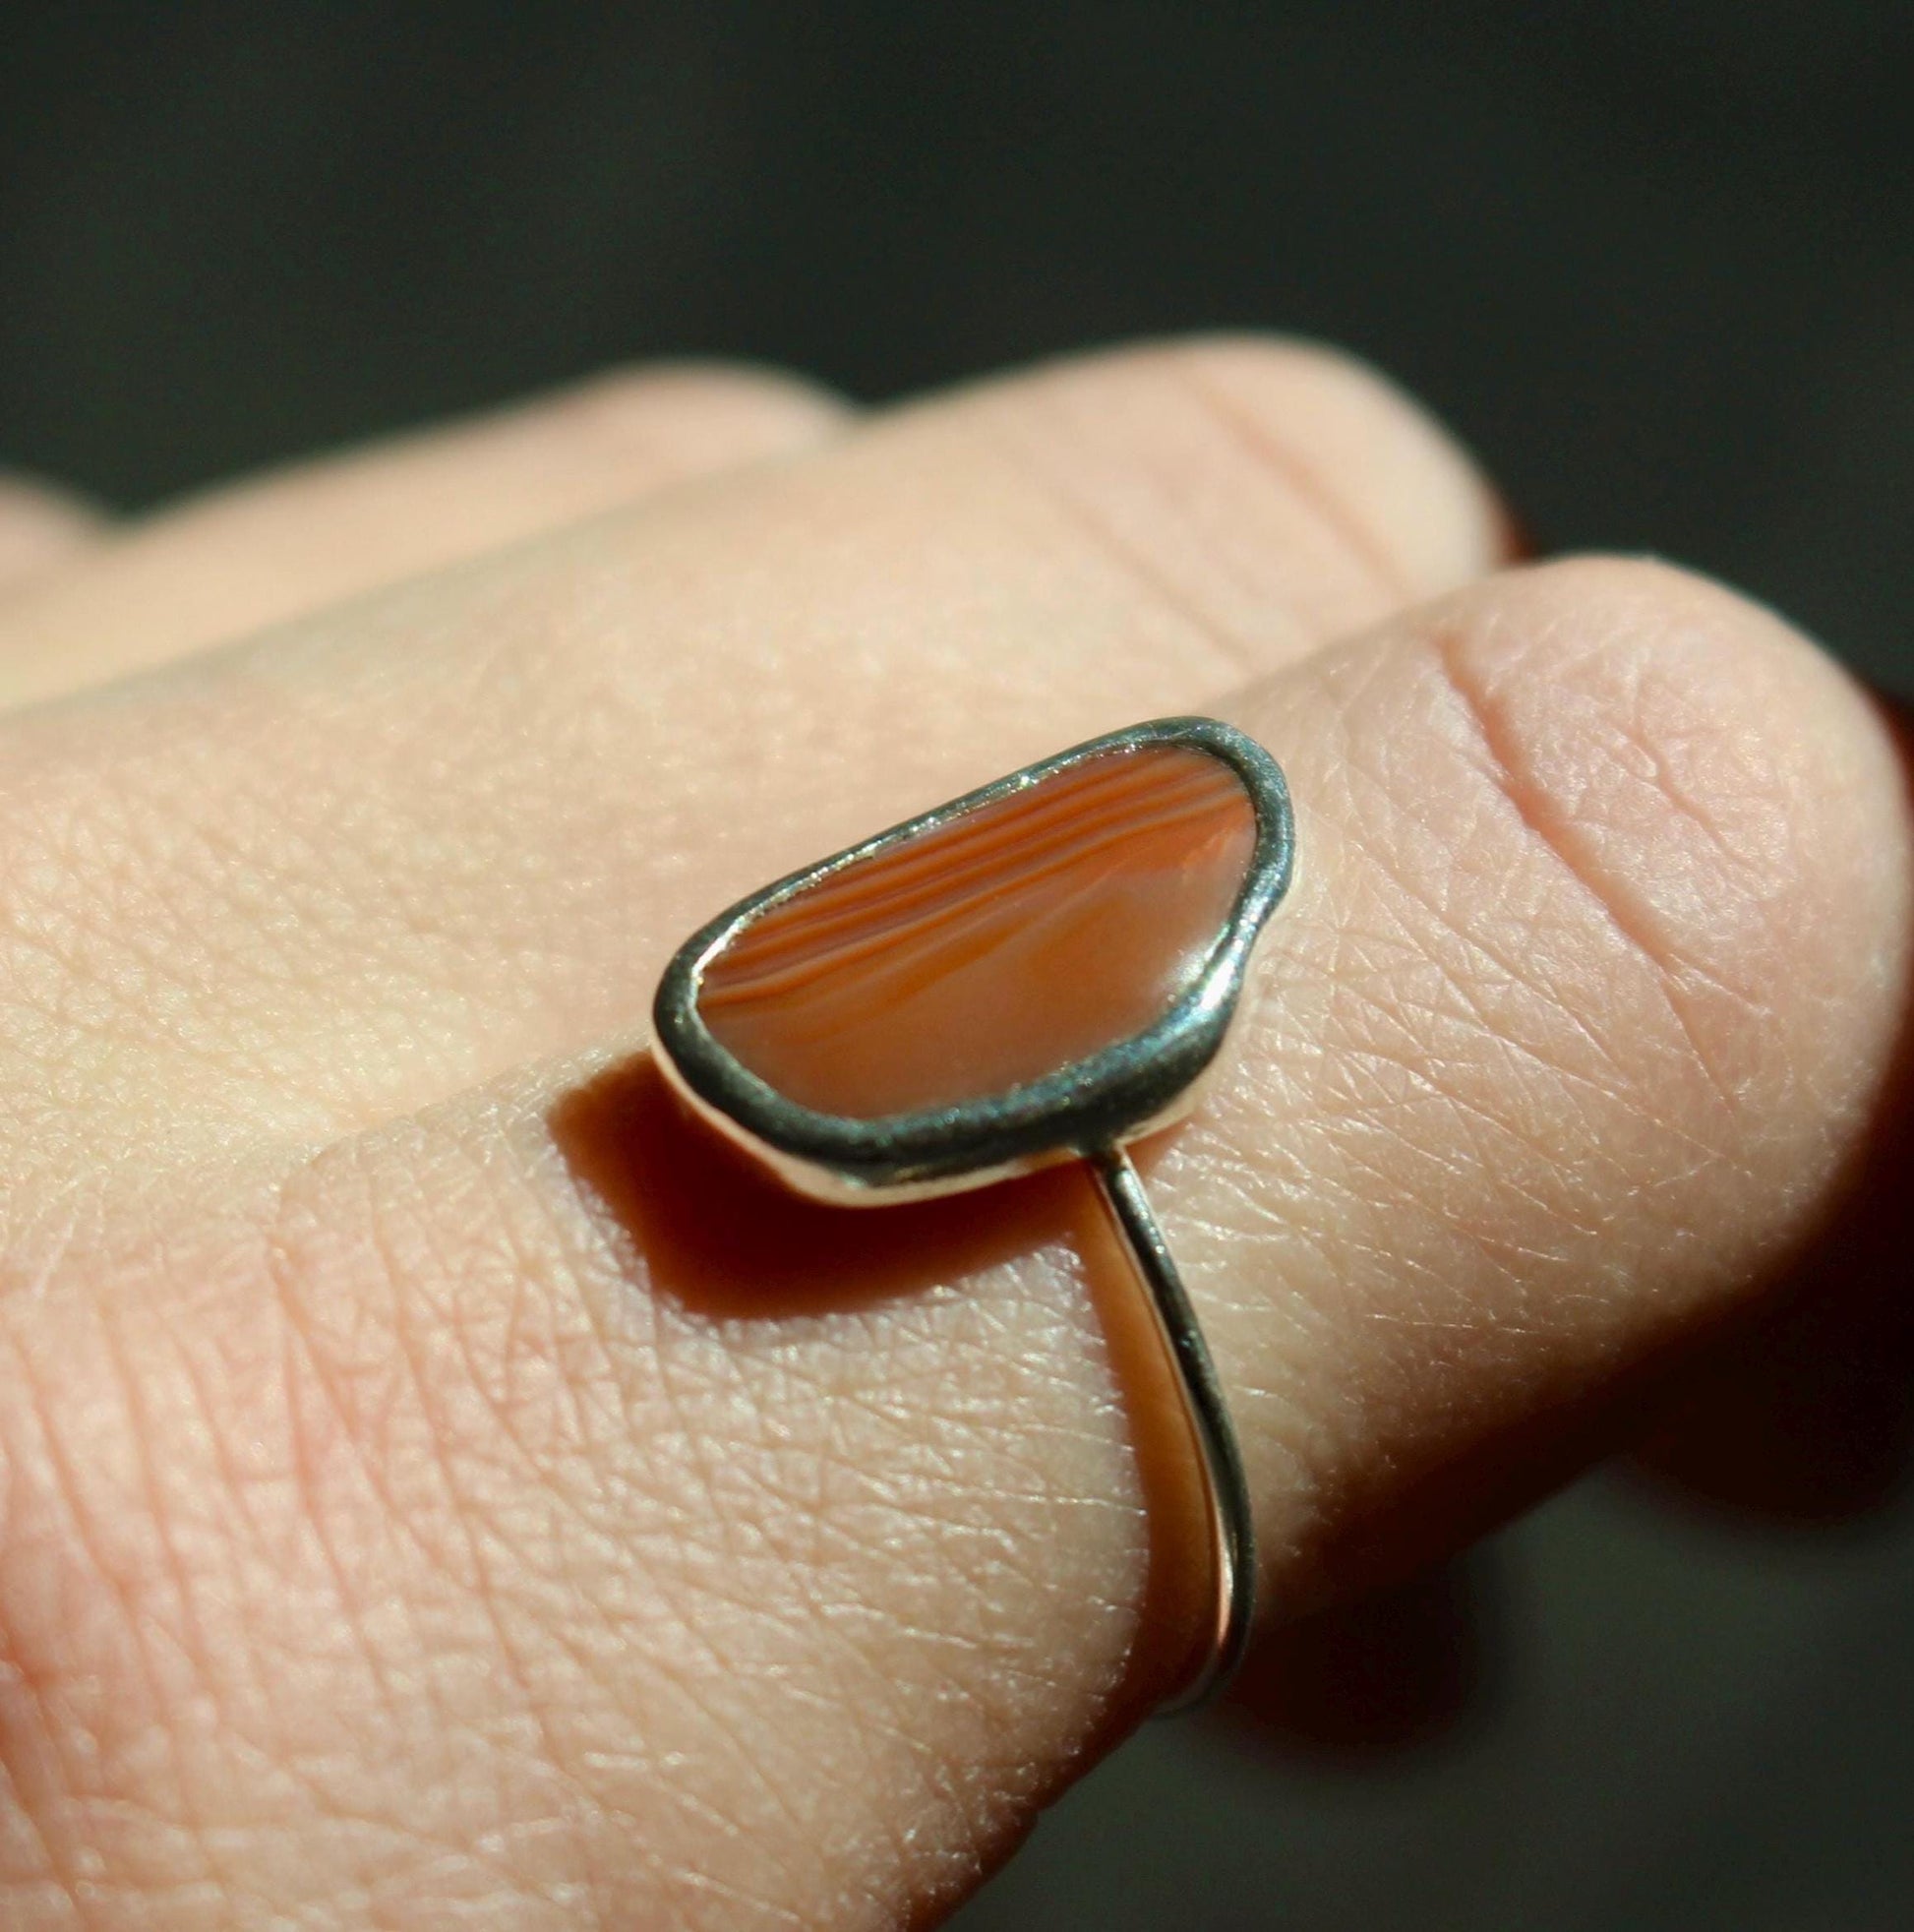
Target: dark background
[1655, 261]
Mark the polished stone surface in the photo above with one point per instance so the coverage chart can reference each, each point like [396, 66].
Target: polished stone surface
[996, 949]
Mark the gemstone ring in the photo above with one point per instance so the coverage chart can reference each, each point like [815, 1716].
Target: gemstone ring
[1043, 970]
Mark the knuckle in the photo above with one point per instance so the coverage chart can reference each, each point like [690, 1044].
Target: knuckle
[1430, 517]
[1633, 880]
[1591, 974]
[1723, 790]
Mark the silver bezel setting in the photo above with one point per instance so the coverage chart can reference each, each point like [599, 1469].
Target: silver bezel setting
[1112, 1097]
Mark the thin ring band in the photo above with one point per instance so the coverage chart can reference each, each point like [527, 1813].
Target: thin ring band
[1226, 1488]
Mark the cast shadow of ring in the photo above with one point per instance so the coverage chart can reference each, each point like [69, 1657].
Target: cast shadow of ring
[724, 1241]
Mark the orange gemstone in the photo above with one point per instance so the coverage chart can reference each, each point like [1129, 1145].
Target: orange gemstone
[1024, 936]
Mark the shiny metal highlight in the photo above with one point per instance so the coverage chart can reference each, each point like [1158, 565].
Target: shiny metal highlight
[1206, 1411]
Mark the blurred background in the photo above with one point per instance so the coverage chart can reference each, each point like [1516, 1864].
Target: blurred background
[1655, 261]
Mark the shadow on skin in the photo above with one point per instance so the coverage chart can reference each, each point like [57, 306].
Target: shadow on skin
[726, 1242]
[724, 1238]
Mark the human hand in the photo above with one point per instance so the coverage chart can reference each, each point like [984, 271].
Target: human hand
[442, 1487]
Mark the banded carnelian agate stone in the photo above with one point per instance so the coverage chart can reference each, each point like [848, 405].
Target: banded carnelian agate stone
[1002, 945]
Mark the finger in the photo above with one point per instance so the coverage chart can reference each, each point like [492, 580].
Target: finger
[387, 855]
[265, 550]
[1808, 1417]
[584, 1519]
[40, 527]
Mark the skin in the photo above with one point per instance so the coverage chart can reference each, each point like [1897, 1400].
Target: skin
[440, 1488]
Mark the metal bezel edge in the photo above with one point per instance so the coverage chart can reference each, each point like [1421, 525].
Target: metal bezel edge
[1111, 1097]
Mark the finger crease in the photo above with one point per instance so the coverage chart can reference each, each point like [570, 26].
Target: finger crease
[1507, 768]
[1372, 555]
[1240, 657]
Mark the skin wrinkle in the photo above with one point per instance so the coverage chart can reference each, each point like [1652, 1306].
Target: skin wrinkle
[52, 1869]
[915, 1745]
[404, 1521]
[1652, 749]
[54, 1740]
[1539, 816]
[494, 1360]
[1511, 1258]
[482, 1585]
[1075, 506]
[893, 1394]
[191, 1636]
[1473, 940]
[1390, 1068]
[65, 1489]
[1386, 1006]
[1371, 1113]
[689, 1428]
[1389, 580]
[557, 1761]
[313, 1787]
[338, 1571]
[1509, 962]
[1477, 944]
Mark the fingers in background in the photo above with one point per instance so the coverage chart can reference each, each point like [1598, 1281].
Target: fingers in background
[378, 857]
[41, 529]
[267, 550]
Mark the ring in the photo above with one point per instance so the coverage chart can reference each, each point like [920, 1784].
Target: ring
[1042, 970]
